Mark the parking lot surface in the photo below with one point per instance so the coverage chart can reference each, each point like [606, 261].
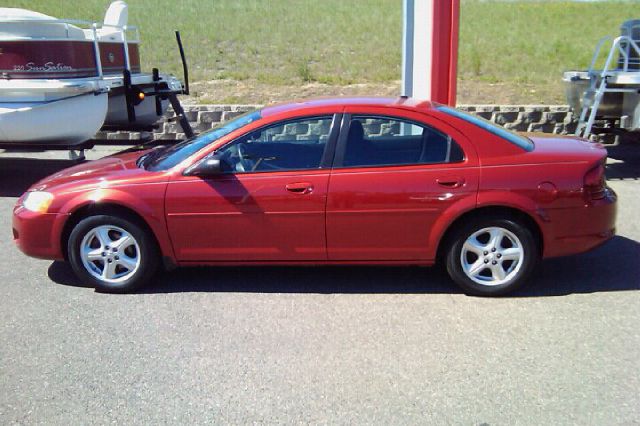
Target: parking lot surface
[322, 345]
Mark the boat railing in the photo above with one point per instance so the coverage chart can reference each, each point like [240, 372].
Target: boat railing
[125, 40]
[596, 53]
[96, 49]
[125, 29]
[68, 23]
[94, 28]
[622, 45]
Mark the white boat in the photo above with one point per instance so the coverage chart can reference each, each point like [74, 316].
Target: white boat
[63, 80]
[52, 112]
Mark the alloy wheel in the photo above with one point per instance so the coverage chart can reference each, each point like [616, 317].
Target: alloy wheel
[110, 253]
[492, 256]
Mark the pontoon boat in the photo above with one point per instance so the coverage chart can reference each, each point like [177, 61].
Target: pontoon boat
[609, 97]
[62, 80]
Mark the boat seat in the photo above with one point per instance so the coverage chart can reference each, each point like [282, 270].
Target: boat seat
[32, 26]
[117, 14]
[116, 17]
[631, 29]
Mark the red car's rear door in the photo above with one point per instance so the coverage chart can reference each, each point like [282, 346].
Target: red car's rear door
[388, 188]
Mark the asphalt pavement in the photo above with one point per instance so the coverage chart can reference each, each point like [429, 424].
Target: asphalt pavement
[323, 344]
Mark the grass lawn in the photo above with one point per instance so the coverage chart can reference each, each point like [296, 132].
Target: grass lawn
[269, 49]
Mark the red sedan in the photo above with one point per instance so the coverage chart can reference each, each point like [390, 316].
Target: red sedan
[333, 181]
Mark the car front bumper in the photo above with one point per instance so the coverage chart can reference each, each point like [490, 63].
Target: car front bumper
[35, 233]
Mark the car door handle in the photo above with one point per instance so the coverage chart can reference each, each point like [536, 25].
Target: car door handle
[300, 187]
[451, 182]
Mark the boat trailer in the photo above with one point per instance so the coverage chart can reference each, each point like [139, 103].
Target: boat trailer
[160, 92]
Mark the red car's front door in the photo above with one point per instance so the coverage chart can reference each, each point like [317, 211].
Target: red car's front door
[260, 216]
[392, 180]
[269, 206]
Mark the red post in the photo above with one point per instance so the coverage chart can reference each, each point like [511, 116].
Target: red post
[446, 18]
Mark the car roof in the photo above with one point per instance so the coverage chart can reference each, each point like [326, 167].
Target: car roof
[399, 102]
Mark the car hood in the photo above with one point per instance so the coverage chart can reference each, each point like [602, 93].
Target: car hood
[112, 170]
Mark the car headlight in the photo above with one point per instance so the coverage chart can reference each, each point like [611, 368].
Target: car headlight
[37, 201]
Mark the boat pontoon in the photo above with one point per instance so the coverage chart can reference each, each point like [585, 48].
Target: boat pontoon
[609, 96]
[63, 80]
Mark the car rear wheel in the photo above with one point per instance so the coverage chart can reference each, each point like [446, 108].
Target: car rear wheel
[492, 256]
[114, 254]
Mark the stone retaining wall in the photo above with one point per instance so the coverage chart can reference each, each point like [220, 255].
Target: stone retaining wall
[557, 119]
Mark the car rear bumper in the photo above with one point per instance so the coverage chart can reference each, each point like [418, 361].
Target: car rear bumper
[34, 233]
[578, 230]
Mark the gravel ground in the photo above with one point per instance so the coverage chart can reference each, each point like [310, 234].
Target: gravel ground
[322, 345]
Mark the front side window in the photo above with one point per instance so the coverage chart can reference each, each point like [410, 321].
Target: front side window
[291, 145]
[172, 155]
[385, 141]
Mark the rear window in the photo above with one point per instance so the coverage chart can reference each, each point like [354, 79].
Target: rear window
[490, 127]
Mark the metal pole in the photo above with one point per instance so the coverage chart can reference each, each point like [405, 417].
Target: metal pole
[96, 48]
[126, 48]
[408, 12]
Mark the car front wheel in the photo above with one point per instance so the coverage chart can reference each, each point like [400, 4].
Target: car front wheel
[492, 256]
[114, 254]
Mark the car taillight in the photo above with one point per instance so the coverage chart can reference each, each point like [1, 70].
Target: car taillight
[594, 183]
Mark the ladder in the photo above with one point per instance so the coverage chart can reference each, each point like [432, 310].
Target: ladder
[628, 50]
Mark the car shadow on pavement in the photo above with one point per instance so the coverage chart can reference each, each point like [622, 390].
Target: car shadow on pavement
[612, 267]
[624, 161]
[18, 174]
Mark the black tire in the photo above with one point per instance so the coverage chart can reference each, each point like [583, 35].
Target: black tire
[519, 274]
[145, 252]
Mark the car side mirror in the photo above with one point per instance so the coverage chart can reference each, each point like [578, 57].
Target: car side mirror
[209, 167]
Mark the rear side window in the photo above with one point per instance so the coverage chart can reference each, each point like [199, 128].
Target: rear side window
[386, 141]
[512, 137]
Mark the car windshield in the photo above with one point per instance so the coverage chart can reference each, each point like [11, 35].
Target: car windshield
[169, 156]
[487, 125]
